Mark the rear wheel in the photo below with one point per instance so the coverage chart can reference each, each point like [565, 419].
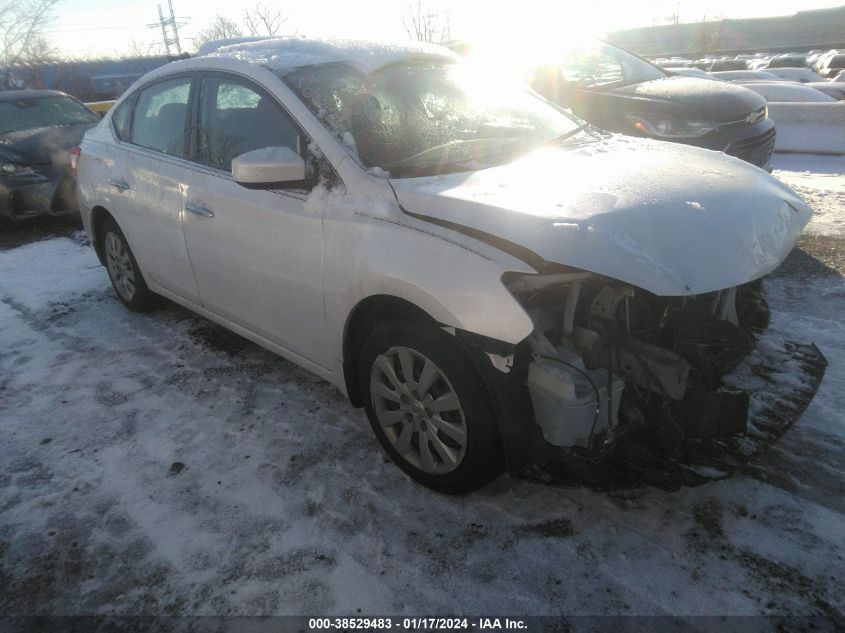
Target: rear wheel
[428, 407]
[125, 276]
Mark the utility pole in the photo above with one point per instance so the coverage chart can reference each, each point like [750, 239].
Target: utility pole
[169, 30]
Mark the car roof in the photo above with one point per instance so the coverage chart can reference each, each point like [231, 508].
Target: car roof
[14, 95]
[285, 54]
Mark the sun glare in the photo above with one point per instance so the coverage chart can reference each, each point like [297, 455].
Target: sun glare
[515, 46]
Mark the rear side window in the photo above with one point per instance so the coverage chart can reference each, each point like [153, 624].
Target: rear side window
[236, 118]
[158, 121]
[120, 120]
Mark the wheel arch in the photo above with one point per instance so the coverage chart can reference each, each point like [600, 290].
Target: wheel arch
[509, 396]
[367, 313]
[99, 215]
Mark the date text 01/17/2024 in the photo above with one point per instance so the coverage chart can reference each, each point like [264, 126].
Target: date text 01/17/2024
[416, 624]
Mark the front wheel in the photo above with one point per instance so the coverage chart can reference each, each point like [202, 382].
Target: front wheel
[428, 407]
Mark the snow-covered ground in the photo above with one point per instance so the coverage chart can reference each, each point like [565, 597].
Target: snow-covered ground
[156, 464]
[820, 180]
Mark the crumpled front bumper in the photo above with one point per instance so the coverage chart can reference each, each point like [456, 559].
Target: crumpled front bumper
[781, 380]
[48, 190]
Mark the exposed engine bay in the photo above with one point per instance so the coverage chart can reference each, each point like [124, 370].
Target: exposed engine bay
[610, 359]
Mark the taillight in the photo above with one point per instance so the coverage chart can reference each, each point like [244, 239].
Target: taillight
[74, 159]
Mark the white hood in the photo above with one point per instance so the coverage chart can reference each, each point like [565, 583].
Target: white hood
[665, 217]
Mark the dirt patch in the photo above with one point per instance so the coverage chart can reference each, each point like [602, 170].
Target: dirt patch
[552, 528]
[778, 577]
[219, 338]
[472, 534]
[814, 256]
[708, 515]
[707, 532]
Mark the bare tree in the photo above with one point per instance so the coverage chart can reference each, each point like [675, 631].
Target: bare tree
[22, 38]
[76, 79]
[425, 25]
[264, 20]
[30, 69]
[220, 28]
[141, 48]
[708, 36]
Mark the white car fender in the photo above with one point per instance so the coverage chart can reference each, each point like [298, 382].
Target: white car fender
[376, 251]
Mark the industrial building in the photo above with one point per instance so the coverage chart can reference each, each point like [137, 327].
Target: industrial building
[804, 31]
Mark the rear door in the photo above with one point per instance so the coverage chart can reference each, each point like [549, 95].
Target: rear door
[256, 254]
[150, 173]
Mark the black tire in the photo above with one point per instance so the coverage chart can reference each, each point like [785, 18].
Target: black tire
[142, 299]
[482, 457]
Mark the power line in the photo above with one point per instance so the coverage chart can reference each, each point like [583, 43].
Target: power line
[169, 29]
[88, 29]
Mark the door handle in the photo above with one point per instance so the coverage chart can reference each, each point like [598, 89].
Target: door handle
[120, 185]
[198, 209]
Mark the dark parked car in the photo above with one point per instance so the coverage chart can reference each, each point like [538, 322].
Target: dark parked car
[831, 65]
[37, 130]
[617, 91]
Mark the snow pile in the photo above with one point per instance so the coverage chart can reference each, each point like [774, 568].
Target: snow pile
[214, 45]
[816, 128]
[284, 54]
[820, 181]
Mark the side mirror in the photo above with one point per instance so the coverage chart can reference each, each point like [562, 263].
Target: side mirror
[269, 168]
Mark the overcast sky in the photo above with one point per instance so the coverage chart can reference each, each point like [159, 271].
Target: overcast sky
[108, 27]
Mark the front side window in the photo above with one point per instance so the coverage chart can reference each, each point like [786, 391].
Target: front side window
[236, 118]
[158, 121]
[34, 112]
[601, 65]
[422, 117]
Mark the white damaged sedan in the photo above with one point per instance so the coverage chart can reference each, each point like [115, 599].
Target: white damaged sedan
[488, 276]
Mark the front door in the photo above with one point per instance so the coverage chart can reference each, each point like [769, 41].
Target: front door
[256, 254]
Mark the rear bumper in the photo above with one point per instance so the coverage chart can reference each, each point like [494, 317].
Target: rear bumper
[47, 191]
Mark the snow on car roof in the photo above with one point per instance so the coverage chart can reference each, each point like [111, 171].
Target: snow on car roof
[284, 54]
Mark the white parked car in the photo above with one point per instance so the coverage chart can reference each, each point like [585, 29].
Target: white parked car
[485, 274]
[788, 92]
[688, 72]
[744, 75]
[833, 89]
[801, 75]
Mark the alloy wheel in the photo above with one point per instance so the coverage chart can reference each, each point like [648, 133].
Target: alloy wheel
[119, 266]
[418, 410]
